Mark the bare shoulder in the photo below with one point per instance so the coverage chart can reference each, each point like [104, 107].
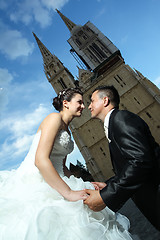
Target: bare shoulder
[53, 120]
[54, 117]
[49, 129]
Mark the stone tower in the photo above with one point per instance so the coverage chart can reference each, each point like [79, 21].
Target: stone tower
[101, 63]
[58, 75]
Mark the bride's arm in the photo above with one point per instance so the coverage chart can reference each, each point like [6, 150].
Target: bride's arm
[49, 128]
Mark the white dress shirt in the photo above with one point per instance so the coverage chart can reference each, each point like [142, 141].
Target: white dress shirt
[106, 123]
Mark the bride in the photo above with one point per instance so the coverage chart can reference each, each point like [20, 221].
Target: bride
[38, 202]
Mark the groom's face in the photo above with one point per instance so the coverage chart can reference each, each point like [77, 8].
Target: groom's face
[96, 105]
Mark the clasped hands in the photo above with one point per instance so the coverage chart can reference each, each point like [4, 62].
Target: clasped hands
[94, 200]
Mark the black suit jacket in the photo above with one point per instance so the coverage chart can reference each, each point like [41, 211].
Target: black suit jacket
[135, 158]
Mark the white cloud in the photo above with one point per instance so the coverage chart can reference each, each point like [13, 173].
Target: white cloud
[53, 4]
[19, 125]
[5, 77]
[21, 130]
[22, 116]
[5, 80]
[3, 99]
[37, 10]
[13, 44]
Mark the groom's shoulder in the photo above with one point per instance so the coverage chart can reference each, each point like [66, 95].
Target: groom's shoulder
[127, 116]
[122, 113]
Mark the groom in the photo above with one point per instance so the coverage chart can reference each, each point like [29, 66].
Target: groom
[135, 158]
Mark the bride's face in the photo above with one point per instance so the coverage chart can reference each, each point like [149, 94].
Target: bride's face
[76, 105]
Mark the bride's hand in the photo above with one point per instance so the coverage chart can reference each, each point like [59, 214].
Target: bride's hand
[76, 195]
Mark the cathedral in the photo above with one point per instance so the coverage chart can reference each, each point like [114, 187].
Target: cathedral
[100, 63]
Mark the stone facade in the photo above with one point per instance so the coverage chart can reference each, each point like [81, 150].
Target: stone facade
[107, 67]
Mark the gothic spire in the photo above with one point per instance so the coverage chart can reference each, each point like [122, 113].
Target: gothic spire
[67, 21]
[46, 54]
[52, 65]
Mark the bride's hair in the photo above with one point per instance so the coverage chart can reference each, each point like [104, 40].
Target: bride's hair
[65, 94]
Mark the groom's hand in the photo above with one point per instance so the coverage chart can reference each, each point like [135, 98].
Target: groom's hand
[94, 200]
[99, 185]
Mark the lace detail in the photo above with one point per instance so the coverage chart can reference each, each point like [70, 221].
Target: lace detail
[64, 139]
[63, 145]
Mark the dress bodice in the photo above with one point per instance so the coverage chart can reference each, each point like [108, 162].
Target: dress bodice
[62, 146]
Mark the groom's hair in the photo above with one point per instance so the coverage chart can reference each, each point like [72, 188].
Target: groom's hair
[111, 92]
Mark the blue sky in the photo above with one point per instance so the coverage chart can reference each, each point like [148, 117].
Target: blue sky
[25, 94]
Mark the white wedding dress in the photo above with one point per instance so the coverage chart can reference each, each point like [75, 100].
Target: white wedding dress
[31, 210]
